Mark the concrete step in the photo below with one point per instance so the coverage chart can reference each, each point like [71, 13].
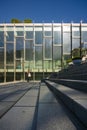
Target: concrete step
[38, 109]
[75, 100]
[80, 85]
[51, 114]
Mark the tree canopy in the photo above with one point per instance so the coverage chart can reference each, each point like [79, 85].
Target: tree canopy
[15, 20]
[27, 21]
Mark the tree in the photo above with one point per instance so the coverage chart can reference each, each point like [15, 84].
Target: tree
[14, 20]
[27, 21]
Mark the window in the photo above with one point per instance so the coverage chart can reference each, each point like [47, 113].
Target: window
[48, 31]
[9, 53]
[29, 50]
[10, 36]
[38, 37]
[19, 47]
[48, 48]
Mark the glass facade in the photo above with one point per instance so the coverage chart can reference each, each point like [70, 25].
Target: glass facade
[40, 48]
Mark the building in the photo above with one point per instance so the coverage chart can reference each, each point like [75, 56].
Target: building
[41, 48]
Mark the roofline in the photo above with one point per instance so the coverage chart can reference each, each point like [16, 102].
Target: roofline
[41, 24]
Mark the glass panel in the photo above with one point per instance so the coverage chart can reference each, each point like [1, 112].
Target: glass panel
[75, 43]
[28, 28]
[10, 36]
[57, 28]
[9, 53]
[75, 47]
[38, 37]
[48, 48]
[48, 64]
[38, 57]
[1, 39]
[10, 76]
[84, 40]
[66, 57]
[37, 28]
[56, 57]
[84, 36]
[10, 67]
[1, 28]
[75, 31]
[19, 47]
[29, 50]
[29, 35]
[1, 58]
[66, 43]
[57, 37]
[48, 31]
[10, 28]
[19, 28]
[66, 28]
[19, 31]
[56, 53]
[19, 64]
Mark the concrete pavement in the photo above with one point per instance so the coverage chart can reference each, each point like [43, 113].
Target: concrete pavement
[36, 108]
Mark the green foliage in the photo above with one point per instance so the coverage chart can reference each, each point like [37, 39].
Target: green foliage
[76, 52]
[14, 20]
[69, 60]
[27, 21]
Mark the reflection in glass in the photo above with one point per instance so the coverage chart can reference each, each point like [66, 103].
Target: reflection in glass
[38, 37]
[1, 39]
[1, 28]
[57, 37]
[10, 28]
[38, 53]
[38, 57]
[9, 53]
[66, 28]
[19, 28]
[48, 64]
[19, 64]
[66, 43]
[10, 67]
[48, 31]
[19, 47]
[29, 50]
[76, 47]
[1, 58]
[29, 34]
[10, 36]
[75, 43]
[19, 33]
[65, 58]
[56, 56]
[56, 53]
[48, 48]
[75, 31]
[84, 36]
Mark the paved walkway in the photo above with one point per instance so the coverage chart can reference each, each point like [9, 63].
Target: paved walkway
[34, 107]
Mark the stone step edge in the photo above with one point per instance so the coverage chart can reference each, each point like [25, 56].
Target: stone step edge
[77, 109]
[72, 84]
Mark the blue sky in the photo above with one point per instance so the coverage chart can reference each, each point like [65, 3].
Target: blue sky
[44, 10]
